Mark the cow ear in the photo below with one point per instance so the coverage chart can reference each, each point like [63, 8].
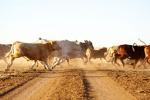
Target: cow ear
[49, 46]
[53, 42]
[55, 45]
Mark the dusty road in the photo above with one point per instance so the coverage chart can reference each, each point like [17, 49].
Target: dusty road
[73, 82]
[76, 82]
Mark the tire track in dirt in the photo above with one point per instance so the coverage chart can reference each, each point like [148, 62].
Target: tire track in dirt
[73, 82]
[102, 87]
[34, 89]
[56, 85]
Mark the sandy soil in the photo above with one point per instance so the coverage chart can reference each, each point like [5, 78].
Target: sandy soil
[93, 81]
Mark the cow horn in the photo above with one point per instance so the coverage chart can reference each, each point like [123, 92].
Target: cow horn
[134, 44]
[142, 41]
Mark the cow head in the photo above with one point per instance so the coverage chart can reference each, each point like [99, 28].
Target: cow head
[110, 53]
[121, 51]
[55, 45]
[85, 45]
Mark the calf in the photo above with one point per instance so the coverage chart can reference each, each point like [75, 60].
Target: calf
[91, 53]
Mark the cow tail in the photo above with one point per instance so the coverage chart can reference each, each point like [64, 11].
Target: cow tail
[142, 41]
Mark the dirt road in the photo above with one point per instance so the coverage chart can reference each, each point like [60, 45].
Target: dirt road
[73, 82]
[104, 88]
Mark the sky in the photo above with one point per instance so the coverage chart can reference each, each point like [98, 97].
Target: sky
[104, 22]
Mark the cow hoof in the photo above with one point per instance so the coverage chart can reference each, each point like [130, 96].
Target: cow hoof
[49, 69]
[6, 70]
[33, 69]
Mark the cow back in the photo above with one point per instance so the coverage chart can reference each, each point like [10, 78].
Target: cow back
[134, 52]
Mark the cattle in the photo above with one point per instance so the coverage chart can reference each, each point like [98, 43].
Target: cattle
[146, 51]
[33, 51]
[110, 54]
[92, 53]
[130, 52]
[147, 54]
[70, 50]
[86, 45]
[4, 49]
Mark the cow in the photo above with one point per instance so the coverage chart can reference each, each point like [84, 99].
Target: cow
[110, 54]
[147, 54]
[69, 50]
[130, 52]
[86, 45]
[92, 53]
[33, 51]
[146, 51]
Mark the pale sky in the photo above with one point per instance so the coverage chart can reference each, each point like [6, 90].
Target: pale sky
[104, 22]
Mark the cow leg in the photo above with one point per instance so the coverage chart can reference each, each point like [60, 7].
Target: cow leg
[45, 64]
[121, 59]
[100, 59]
[112, 60]
[115, 61]
[59, 61]
[136, 61]
[5, 60]
[144, 62]
[84, 59]
[10, 64]
[56, 62]
[89, 59]
[67, 60]
[148, 61]
[35, 62]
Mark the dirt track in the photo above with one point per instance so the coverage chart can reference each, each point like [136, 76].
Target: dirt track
[75, 82]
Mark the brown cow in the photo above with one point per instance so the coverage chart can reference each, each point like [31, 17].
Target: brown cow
[147, 54]
[37, 52]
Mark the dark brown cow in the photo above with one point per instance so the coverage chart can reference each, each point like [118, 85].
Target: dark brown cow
[85, 45]
[131, 52]
[91, 53]
[37, 52]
